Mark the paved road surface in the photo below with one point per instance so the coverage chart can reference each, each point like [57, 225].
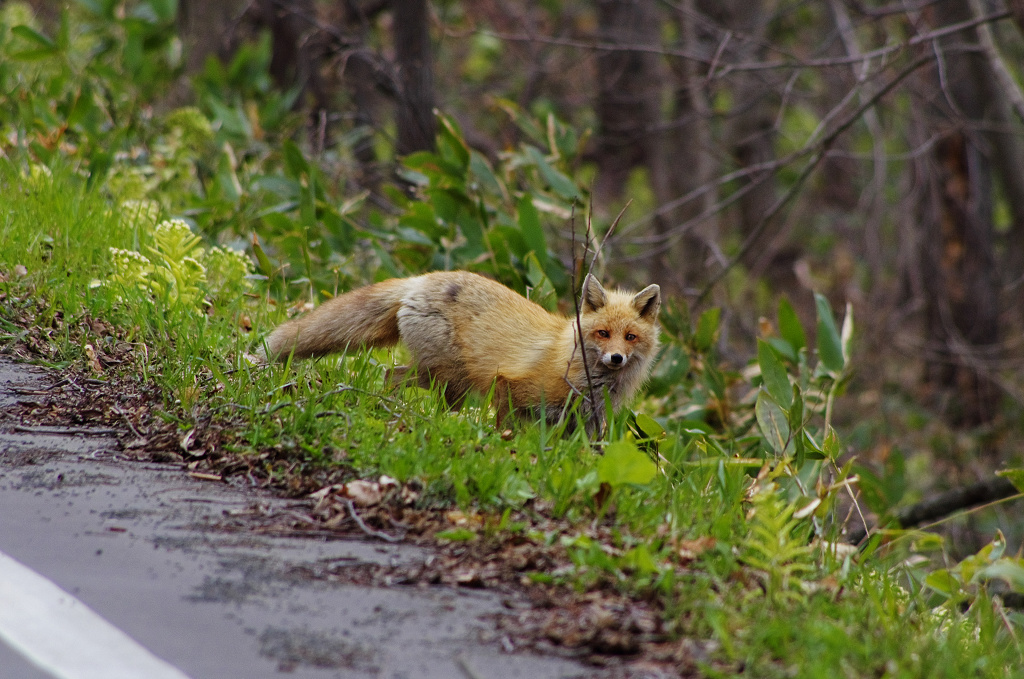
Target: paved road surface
[110, 569]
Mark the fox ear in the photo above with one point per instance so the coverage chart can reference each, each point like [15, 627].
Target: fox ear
[594, 296]
[647, 302]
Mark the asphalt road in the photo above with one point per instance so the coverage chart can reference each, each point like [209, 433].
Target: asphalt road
[111, 568]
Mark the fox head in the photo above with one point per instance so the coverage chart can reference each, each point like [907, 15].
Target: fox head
[619, 328]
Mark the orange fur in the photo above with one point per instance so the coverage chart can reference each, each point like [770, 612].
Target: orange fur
[469, 333]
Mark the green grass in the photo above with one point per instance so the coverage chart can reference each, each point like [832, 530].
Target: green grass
[766, 600]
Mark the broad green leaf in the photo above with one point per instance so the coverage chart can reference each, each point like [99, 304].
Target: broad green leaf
[421, 160]
[227, 179]
[774, 375]
[707, 329]
[771, 419]
[517, 489]
[294, 160]
[1014, 476]
[32, 35]
[559, 183]
[830, 346]
[451, 145]
[541, 291]
[165, 10]
[529, 223]
[649, 426]
[481, 170]
[34, 55]
[1008, 569]
[783, 348]
[943, 582]
[812, 450]
[624, 463]
[790, 327]
[831, 447]
[639, 559]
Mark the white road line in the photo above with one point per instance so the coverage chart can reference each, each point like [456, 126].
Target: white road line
[63, 636]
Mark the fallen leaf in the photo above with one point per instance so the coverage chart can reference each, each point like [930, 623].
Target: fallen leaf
[364, 493]
[688, 550]
[186, 440]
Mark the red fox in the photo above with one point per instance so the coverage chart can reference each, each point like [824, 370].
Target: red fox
[468, 332]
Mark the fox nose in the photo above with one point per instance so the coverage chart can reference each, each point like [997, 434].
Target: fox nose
[617, 359]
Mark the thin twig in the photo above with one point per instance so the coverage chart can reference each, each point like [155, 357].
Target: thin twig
[579, 324]
[805, 173]
[1007, 84]
[366, 529]
[757, 65]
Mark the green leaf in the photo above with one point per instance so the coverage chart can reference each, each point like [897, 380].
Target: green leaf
[830, 346]
[529, 223]
[165, 10]
[261, 258]
[1014, 476]
[34, 55]
[517, 489]
[707, 329]
[649, 426]
[943, 582]
[32, 35]
[1008, 569]
[227, 179]
[790, 327]
[482, 171]
[772, 421]
[457, 535]
[774, 375]
[831, 447]
[294, 161]
[559, 183]
[541, 291]
[812, 450]
[624, 463]
[639, 559]
[451, 146]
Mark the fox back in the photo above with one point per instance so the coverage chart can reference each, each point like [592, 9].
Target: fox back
[468, 333]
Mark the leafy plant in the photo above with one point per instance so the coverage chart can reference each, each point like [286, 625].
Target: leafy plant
[179, 271]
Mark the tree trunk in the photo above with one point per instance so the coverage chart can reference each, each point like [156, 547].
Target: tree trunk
[295, 58]
[203, 27]
[750, 132]
[628, 92]
[634, 132]
[681, 163]
[961, 285]
[416, 125]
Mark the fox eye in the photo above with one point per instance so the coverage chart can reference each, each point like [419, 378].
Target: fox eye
[630, 337]
[603, 333]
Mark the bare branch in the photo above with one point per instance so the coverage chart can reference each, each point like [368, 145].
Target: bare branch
[816, 158]
[1007, 83]
[793, 62]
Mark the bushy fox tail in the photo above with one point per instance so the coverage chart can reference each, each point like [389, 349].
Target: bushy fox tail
[365, 317]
